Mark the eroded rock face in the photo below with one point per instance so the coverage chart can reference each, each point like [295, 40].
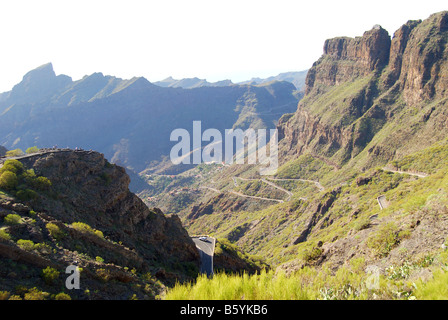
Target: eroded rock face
[345, 58]
[397, 48]
[424, 71]
[360, 84]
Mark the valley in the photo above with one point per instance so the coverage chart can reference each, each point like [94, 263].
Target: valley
[357, 208]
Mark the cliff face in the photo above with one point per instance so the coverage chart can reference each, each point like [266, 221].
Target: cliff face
[88, 193]
[349, 58]
[424, 68]
[365, 94]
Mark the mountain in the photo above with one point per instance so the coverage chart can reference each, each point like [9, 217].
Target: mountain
[36, 86]
[297, 78]
[130, 121]
[363, 174]
[75, 208]
[356, 210]
[189, 83]
[372, 99]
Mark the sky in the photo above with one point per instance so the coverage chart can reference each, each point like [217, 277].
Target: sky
[208, 39]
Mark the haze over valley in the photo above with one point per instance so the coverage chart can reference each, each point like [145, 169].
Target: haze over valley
[357, 208]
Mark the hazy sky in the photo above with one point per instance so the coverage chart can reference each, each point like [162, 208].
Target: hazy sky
[208, 39]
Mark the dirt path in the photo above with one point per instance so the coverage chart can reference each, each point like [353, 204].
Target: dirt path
[242, 195]
[289, 193]
[317, 183]
[255, 197]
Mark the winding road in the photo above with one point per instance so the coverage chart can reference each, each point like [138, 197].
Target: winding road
[206, 247]
[289, 193]
[382, 201]
[417, 174]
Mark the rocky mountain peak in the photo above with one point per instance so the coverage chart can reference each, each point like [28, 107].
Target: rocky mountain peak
[347, 58]
[372, 48]
[42, 72]
[38, 84]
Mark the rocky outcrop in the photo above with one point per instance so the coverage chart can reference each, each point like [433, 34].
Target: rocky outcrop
[97, 224]
[89, 189]
[346, 59]
[397, 48]
[361, 84]
[3, 151]
[424, 71]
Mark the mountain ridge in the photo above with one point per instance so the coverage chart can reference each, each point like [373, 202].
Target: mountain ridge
[380, 84]
[130, 121]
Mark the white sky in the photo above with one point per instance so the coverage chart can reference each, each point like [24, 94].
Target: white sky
[209, 39]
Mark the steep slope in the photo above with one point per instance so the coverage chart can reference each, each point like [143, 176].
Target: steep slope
[374, 113]
[82, 213]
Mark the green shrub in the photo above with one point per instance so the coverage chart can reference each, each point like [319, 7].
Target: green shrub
[62, 296]
[55, 231]
[84, 227]
[26, 245]
[4, 295]
[4, 235]
[49, 275]
[41, 183]
[99, 234]
[42, 248]
[14, 166]
[32, 150]
[382, 241]
[28, 175]
[311, 254]
[13, 219]
[103, 274]
[361, 224]
[13, 176]
[27, 195]
[14, 153]
[8, 180]
[35, 294]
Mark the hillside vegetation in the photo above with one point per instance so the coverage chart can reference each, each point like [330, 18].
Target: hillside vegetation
[364, 156]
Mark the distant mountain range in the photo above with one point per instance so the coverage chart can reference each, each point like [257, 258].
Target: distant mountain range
[296, 78]
[130, 121]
